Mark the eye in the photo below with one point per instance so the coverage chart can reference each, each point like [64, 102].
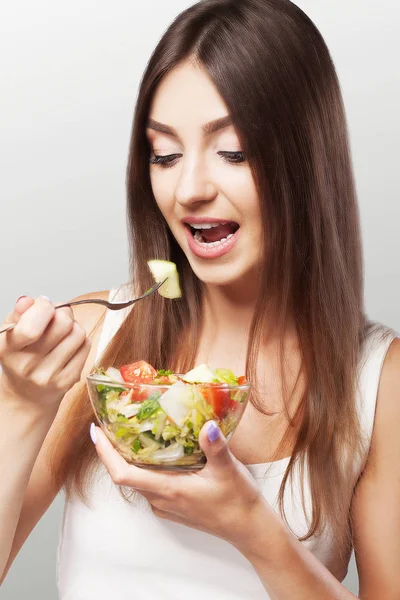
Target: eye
[169, 160]
[233, 157]
[165, 161]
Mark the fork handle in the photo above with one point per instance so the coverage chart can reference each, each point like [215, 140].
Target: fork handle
[12, 325]
[110, 305]
[88, 301]
[8, 327]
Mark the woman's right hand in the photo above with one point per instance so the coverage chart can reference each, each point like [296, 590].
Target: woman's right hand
[44, 355]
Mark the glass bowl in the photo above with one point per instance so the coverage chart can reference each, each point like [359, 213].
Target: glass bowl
[156, 426]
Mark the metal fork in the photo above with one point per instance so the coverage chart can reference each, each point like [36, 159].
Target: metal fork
[110, 305]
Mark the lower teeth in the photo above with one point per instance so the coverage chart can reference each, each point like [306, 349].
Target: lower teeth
[199, 239]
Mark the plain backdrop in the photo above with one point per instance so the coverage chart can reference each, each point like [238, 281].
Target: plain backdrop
[69, 75]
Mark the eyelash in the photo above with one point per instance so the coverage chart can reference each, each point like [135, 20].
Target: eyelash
[167, 161]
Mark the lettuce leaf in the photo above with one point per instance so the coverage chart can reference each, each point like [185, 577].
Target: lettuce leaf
[225, 376]
[149, 406]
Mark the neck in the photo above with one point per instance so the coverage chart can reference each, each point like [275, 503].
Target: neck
[231, 306]
[228, 311]
[224, 310]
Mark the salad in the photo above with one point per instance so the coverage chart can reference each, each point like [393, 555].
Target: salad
[155, 416]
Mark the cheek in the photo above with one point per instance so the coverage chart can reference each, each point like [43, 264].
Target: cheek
[242, 192]
[161, 192]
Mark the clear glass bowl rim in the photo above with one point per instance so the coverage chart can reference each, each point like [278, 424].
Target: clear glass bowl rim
[224, 386]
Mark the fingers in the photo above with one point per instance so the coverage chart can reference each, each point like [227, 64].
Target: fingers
[44, 355]
[59, 327]
[122, 473]
[71, 372]
[30, 326]
[65, 350]
[21, 305]
[214, 445]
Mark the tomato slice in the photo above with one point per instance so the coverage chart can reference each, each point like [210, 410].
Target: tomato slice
[138, 372]
[137, 395]
[220, 399]
[242, 380]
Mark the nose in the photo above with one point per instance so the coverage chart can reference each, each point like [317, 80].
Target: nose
[194, 184]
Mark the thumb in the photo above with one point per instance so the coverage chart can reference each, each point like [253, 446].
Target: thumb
[214, 445]
[21, 305]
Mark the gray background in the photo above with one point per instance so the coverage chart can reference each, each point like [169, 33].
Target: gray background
[69, 78]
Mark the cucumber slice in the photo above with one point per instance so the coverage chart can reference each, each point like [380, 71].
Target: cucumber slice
[161, 269]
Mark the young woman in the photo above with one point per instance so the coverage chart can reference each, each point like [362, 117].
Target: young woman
[239, 123]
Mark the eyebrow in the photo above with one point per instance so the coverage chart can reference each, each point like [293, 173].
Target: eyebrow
[208, 129]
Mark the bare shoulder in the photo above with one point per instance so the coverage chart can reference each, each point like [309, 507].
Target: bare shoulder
[376, 502]
[391, 367]
[387, 413]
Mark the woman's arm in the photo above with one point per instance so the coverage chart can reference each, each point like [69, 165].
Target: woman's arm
[27, 488]
[291, 572]
[376, 504]
[22, 433]
[287, 569]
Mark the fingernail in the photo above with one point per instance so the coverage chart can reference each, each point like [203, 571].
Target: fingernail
[46, 298]
[93, 434]
[212, 431]
[20, 298]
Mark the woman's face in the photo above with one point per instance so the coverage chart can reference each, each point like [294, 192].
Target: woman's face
[200, 177]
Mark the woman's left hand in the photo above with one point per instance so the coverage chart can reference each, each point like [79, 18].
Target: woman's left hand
[221, 499]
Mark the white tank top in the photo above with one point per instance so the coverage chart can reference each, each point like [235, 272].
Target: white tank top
[116, 549]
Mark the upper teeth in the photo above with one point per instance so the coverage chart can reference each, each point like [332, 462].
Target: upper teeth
[206, 225]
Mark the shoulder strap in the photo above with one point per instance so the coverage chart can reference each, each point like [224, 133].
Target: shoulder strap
[114, 318]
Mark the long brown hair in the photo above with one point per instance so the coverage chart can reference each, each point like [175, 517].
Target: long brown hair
[272, 68]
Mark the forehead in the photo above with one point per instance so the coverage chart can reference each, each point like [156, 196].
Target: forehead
[185, 96]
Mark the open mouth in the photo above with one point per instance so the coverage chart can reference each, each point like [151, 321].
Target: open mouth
[213, 234]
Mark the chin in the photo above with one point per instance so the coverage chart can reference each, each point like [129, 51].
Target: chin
[225, 274]
[232, 268]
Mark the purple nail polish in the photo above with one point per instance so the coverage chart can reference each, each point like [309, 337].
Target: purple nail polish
[20, 298]
[212, 431]
[93, 434]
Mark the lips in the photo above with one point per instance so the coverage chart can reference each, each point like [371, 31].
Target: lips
[212, 229]
[210, 250]
[211, 233]
[199, 220]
